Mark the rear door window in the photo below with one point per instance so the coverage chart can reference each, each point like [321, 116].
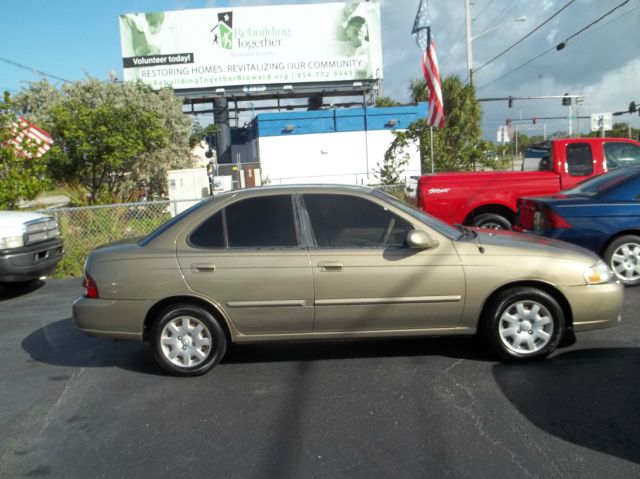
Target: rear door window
[262, 222]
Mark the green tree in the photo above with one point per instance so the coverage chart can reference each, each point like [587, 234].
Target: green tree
[21, 170]
[458, 146]
[619, 130]
[390, 171]
[98, 145]
[198, 133]
[111, 113]
[385, 101]
[418, 90]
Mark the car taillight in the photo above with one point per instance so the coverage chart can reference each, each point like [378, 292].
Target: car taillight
[547, 219]
[90, 287]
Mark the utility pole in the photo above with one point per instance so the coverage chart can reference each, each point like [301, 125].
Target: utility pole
[467, 9]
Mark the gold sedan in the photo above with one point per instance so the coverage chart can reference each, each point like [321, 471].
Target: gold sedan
[328, 262]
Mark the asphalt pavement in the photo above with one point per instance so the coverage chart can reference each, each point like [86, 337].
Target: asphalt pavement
[73, 406]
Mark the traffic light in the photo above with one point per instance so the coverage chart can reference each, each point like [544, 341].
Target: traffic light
[510, 101]
[632, 107]
[566, 101]
[533, 120]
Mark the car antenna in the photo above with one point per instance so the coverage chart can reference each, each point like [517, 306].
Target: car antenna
[480, 247]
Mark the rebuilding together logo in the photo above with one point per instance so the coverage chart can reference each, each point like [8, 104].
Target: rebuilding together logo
[223, 31]
[247, 38]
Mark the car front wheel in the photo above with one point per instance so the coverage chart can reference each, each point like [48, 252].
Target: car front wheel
[623, 257]
[188, 340]
[524, 323]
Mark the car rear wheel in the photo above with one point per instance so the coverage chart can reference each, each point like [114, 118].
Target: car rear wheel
[492, 221]
[524, 323]
[623, 257]
[188, 340]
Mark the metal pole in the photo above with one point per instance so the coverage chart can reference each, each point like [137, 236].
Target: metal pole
[433, 169]
[570, 125]
[516, 151]
[467, 8]
[366, 135]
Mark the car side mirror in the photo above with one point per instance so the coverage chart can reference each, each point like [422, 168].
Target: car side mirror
[420, 240]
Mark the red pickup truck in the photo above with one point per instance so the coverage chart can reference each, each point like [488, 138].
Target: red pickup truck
[487, 199]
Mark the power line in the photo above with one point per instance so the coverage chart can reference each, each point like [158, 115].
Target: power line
[31, 69]
[452, 35]
[560, 46]
[526, 36]
[499, 16]
[606, 24]
[485, 7]
[518, 68]
[563, 44]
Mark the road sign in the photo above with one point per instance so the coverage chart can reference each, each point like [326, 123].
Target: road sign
[601, 121]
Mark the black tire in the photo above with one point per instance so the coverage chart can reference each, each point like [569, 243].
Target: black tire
[198, 350]
[493, 221]
[623, 257]
[524, 323]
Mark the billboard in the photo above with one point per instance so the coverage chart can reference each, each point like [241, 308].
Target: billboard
[286, 44]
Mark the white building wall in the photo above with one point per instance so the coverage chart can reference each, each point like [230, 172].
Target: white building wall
[341, 158]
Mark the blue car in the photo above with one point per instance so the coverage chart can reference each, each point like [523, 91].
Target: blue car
[601, 214]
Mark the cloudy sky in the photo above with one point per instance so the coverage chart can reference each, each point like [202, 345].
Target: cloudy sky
[71, 40]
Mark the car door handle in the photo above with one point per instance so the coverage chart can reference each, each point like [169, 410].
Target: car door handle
[330, 266]
[203, 267]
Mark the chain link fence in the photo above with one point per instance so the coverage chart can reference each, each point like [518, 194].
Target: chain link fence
[85, 228]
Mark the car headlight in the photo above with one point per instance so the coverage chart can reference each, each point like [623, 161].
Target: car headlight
[7, 242]
[598, 273]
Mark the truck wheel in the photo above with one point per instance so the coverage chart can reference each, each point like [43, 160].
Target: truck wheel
[623, 257]
[492, 221]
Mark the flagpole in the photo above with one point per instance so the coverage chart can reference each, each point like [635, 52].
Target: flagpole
[433, 170]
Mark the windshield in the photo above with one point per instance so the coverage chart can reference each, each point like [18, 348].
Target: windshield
[602, 183]
[438, 225]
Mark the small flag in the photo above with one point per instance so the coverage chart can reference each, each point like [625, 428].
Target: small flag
[422, 30]
[24, 129]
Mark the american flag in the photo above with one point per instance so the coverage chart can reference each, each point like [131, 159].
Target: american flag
[24, 129]
[422, 30]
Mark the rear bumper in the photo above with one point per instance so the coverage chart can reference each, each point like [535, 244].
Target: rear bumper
[119, 319]
[30, 262]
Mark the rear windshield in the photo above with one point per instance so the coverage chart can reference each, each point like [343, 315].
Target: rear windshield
[602, 183]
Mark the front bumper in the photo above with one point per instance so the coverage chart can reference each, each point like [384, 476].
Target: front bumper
[595, 306]
[30, 262]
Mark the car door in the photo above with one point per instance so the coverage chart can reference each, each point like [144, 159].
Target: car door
[367, 279]
[249, 259]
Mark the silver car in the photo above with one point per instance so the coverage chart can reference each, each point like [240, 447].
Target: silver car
[328, 262]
